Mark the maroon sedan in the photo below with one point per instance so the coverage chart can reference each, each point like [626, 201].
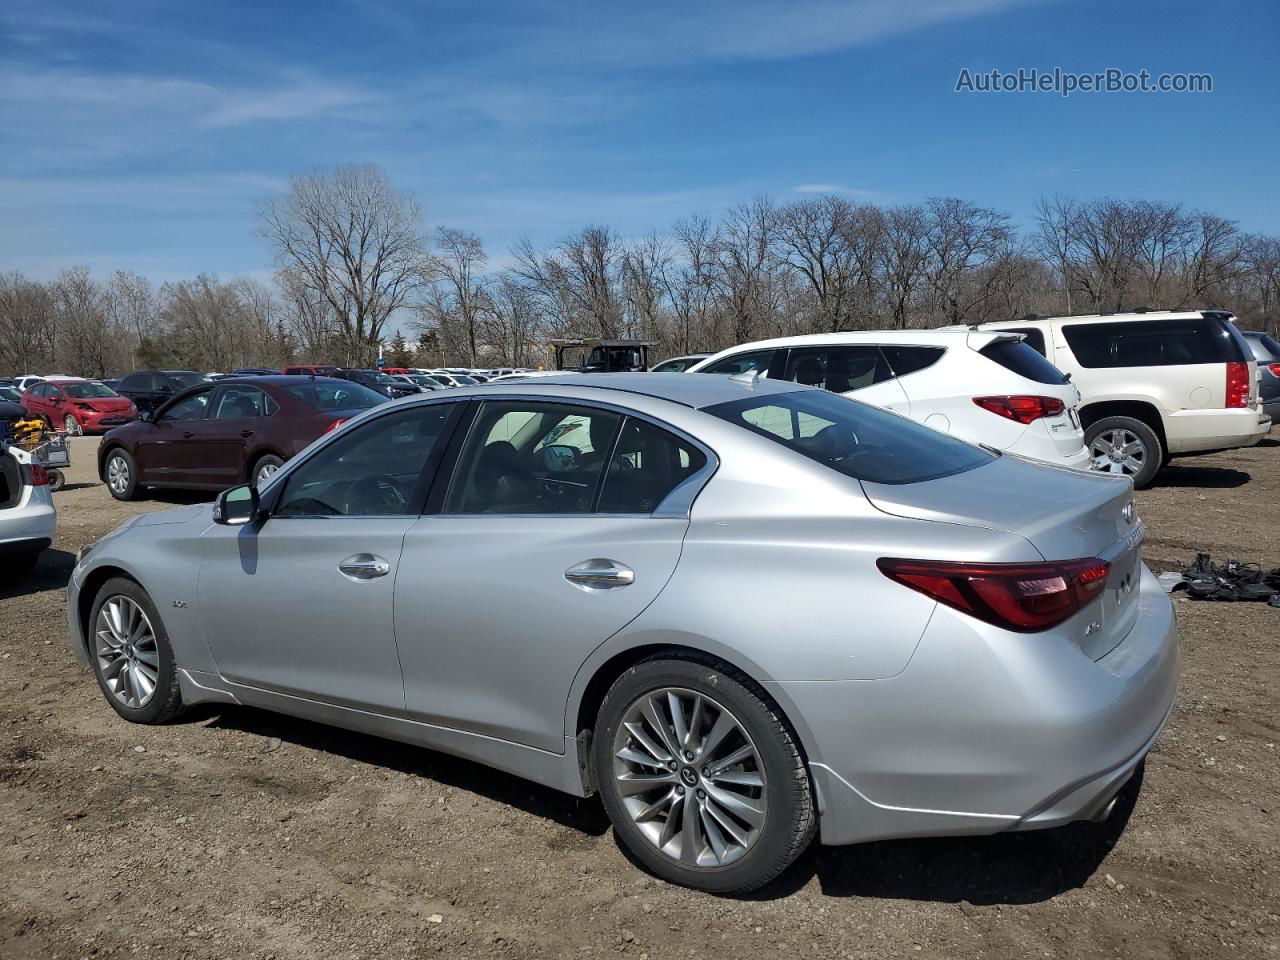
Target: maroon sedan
[78, 406]
[221, 434]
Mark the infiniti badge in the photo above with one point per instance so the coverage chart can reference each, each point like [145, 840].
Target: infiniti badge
[1127, 512]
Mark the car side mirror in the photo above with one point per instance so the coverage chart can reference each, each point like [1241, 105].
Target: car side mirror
[144, 416]
[237, 506]
[559, 457]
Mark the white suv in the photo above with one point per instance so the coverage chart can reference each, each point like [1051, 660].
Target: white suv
[27, 515]
[1154, 385]
[982, 386]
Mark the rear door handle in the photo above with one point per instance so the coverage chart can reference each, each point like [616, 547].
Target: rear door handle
[246, 433]
[364, 566]
[188, 434]
[600, 574]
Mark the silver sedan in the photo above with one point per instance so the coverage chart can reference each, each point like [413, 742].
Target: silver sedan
[745, 612]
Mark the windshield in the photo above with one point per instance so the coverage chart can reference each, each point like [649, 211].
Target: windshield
[326, 397]
[12, 394]
[853, 438]
[88, 391]
[384, 378]
[464, 379]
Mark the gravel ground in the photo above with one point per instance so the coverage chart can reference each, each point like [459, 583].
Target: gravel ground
[240, 834]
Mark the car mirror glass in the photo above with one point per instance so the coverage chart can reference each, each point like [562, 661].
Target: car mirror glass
[237, 506]
[559, 458]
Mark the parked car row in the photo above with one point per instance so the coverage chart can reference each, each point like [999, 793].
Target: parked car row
[1120, 393]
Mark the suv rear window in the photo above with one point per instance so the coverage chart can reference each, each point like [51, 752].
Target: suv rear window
[1034, 335]
[1152, 343]
[1024, 360]
[856, 439]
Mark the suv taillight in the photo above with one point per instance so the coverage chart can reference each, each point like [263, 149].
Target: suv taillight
[1237, 384]
[1274, 368]
[1023, 597]
[1022, 409]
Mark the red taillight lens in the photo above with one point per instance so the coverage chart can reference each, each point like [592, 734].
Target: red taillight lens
[39, 475]
[1274, 368]
[1022, 409]
[336, 424]
[1023, 597]
[1237, 384]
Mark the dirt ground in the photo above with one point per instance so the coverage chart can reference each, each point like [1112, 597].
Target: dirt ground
[240, 834]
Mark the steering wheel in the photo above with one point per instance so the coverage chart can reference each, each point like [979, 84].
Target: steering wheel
[376, 495]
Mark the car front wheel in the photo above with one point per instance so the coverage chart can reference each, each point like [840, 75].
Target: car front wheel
[131, 655]
[121, 474]
[1125, 446]
[702, 776]
[72, 426]
[265, 469]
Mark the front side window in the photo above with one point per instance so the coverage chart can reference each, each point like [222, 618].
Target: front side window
[373, 470]
[242, 403]
[743, 363]
[538, 458]
[189, 408]
[840, 369]
[855, 439]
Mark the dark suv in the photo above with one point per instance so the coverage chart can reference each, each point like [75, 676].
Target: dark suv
[150, 388]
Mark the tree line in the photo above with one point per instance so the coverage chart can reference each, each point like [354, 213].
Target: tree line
[354, 260]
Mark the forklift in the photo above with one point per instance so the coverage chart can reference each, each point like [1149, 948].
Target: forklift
[601, 356]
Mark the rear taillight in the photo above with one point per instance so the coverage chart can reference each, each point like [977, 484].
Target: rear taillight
[1023, 597]
[336, 424]
[1022, 409]
[1274, 368]
[39, 475]
[1237, 384]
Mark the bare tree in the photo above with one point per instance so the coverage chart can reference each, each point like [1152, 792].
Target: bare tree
[461, 284]
[26, 314]
[88, 341]
[904, 248]
[355, 240]
[964, 242]
[816, 237]
[207, 321]
[642, 268]
[743, 255]
[687, 282]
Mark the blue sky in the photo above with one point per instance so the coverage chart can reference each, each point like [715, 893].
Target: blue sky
[139, 134]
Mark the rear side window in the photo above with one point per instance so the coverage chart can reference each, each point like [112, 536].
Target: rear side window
[1034, 335]
[743, 363]
[1152, 343]
[838, 369]
[647, 464]
[143, 382]
[853, 438]
[905, 360]
[1022, 359]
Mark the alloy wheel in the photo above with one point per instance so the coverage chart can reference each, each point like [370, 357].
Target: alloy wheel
[118, 475]
[690, 777]
[128, 655]
[1118, 451]
[73, 427]
[265, 472]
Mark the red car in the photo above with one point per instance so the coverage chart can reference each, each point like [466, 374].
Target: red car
[217, 435]
[78, 406]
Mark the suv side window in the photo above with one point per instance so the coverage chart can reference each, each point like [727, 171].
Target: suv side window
[372, 471]
[134, 382]
[757, 362]
[839, 369]
[189, 408]
[647, 464]
[529, 457]
[1150, 343]
[1034, 335]
[905, 360]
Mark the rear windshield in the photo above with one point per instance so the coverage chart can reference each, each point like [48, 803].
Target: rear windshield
[1024, 360]
[325, 397]
[88, 391]
[1153, 343]
[853, 438]
[1265, 348]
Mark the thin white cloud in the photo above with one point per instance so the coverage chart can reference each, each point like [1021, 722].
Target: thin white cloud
[858, 193]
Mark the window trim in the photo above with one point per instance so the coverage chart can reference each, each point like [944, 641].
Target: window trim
[164, 408]
[223, 388]
[677, 504]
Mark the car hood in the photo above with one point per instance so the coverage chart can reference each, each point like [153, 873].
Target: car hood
[107, 404]
[176, 515]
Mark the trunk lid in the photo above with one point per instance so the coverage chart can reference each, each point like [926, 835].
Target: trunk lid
[1065, 514]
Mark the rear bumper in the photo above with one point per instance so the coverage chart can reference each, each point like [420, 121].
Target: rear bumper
[1195, 431]
[30, 525]
[987, 731]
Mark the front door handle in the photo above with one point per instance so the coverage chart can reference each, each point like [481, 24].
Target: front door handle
[600, 574]
[364, 566]
[188, 434]
[246, 433]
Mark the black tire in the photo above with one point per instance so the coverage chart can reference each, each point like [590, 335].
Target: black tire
[130, 489]
[790, 818]
[266, 460]
[1151, 452]
[165, 703]
[57, 479]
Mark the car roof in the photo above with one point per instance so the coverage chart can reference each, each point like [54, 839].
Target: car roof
[279, 379]
[686, 389]
[934, 336]
[1129, 317]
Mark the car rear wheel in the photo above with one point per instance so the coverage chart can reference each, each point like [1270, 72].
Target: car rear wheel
[701, 776]
[1125, 446]
[265, 468]
[131, 655]
[72, 426]
[121, 474]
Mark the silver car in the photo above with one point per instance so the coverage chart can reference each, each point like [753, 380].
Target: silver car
[745, 612]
